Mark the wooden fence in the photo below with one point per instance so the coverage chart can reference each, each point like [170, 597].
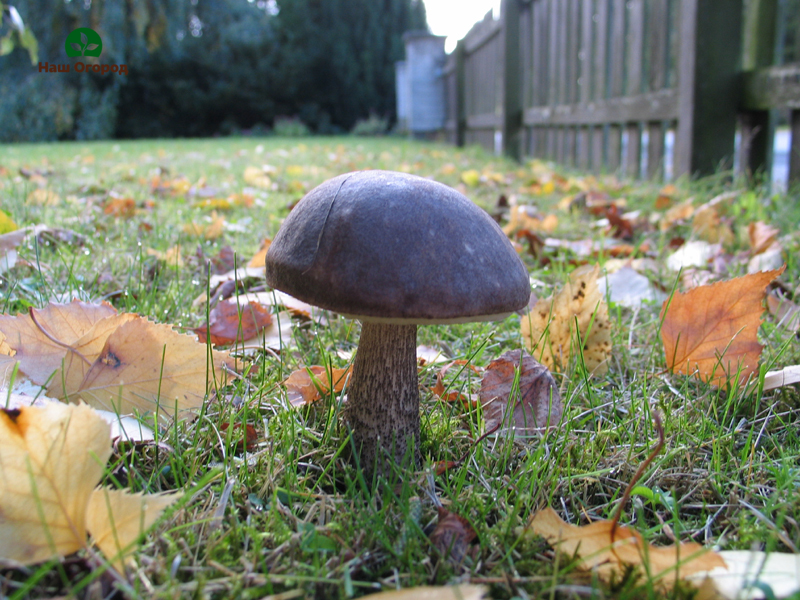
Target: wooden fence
[599, 84]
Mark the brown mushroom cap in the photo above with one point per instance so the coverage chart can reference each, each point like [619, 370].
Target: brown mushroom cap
[386, 246]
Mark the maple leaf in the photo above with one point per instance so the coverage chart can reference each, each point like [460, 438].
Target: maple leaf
[610, 551]
[41, 338]
[578, 314]
[307, 385]
[539, 402]
[712, 330]
[148, 366]
[51, 460]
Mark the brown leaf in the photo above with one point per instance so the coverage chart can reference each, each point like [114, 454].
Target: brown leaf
[307, 385]
[120, 207]
[761, 236]
[783, 309]
[469, 400]
[610, 552]
[550, 330]
[536, 403]
[260, 258]
[452, 535]
[147, 366]
[41, 339]
[230, 322]
[712, 330]
[245, 440]
[462, 591]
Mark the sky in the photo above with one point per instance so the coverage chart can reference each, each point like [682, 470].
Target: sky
[454, 18]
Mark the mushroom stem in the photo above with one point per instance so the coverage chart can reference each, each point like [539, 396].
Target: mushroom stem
[383, 397]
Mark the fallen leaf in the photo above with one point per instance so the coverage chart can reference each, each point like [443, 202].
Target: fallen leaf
[693, 254]
[428, 356]
[610, 553]
[708, 225]
[41, 338]
[463, 591]
[232, 321]
[209, 231]
[452, 536]
[761, 236]
[536, 403]
[7, 224]
[43, 197]
[307, 385]
[527, 217]
[770, 258]
[260, 258]
[258, 177]
[786, 311]
[120, 207]
[172, 256]
[51, 459]
[468, 399]
[746, 573]
[679, 212]
[712, 330]
[117, 519]
[576, 315]
[628, 287]
[471, 177]
[146, 366]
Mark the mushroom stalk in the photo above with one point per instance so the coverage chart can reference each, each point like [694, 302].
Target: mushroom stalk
[383, 397]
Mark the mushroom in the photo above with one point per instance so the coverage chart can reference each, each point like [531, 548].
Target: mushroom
[394, 251]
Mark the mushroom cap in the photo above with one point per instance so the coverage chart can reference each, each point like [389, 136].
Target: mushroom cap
[393, 247]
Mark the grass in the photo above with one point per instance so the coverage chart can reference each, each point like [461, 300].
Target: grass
[292, 517]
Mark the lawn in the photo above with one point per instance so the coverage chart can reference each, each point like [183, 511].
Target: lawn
[283, 513]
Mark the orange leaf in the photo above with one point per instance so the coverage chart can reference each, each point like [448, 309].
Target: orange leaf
[307, 385]
[120, 207]
[468, 400]
[761, 236]
[712, 330]
[597, 547]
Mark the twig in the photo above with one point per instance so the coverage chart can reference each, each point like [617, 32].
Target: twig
[638, 475]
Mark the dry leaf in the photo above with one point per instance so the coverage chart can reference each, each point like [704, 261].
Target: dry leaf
[117, 519]
[452, 535]
[257, 177]
[231, 322]
[786, 311]
[120, 207]
[51, 459]
[463, 591]
[260, 258]
[712, 330]
[468, 399]
[628, 287]
[527, 217]
[679, 212]
[709, 226]
[41, 338]
[172, 257]
[43, 197]
[146, 366]
[596, 549]
[761, 236]
[693, 254]
[550, 328]
[536, 403]
[209, 231]
[307, 385]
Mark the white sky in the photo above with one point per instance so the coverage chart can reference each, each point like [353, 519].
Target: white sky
[454, 18]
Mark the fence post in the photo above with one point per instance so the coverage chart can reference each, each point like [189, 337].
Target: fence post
[709, 85]
[758, 126]
[461, 111]
[512, 79]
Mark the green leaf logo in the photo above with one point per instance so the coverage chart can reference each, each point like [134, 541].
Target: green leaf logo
[83, 42]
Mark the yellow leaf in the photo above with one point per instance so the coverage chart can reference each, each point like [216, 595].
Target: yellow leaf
[7, 224]
[116, 519]
[294, 170]
[51, 459]
[463, 591]
[172, 257]
[550, 329]
[209, 231]
[41, 338]
[471, 177]
[257, 177]
[147, 366]
[597, 546]
[43, 197]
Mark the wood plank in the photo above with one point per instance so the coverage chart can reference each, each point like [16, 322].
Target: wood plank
[633, 156]
[657, 45]
[573, 50]
[794, 150]
[633, 84]
[481, 35]
[484, 121]
[525, 53]
[571, 146]
[598, 148]
[617, 53]
[584, 147]
[599, 66]
[614, 157]
[655, 150]
[772, 87]
[540, 40]
[511, 102]
[587, 43]
[552, 54]
[656, 106]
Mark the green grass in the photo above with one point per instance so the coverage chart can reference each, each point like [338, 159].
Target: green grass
[293, 514]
